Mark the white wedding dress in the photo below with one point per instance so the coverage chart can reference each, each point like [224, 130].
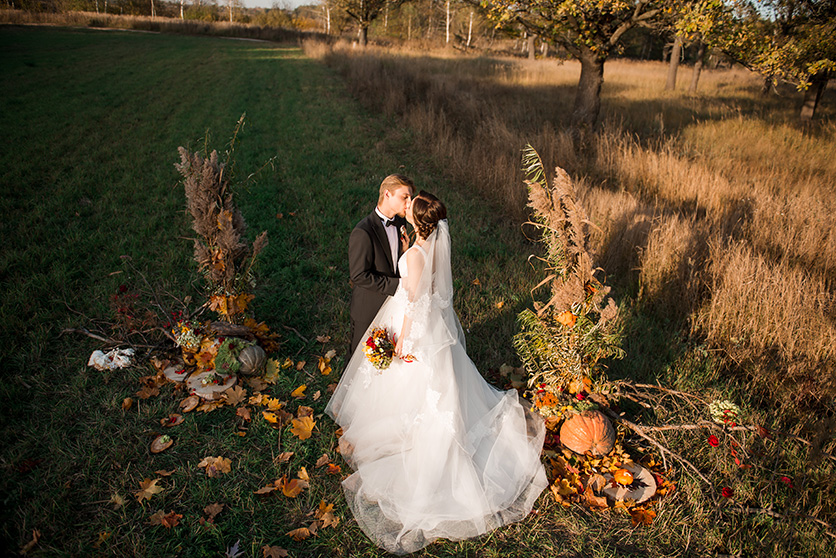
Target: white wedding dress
[437, 452]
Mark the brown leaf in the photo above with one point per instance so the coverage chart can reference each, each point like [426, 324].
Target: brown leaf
[303, 474]
[267, 489]
[168, 520]
[258, 399]
[322, 461]
[304, 411]
[330, 355]
[209, 406]
[299, 534]
[323, 338]
[216, 466]
[594, 502]
[244, 413]
[148, 391]
[317, 395]
[284, 457]
[127, 403]
[313, 527]
[117, 501]
[274, 552]
[256, 383]
[303, 427]
[300, 365]
[36, 535]
[164, 473]
[147, 489]
[641, 516]
[213, 509]
[235, 395]
[333, 469]
[324, 514]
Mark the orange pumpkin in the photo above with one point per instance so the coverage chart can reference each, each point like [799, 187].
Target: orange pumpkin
[589, 431]
[623, 476]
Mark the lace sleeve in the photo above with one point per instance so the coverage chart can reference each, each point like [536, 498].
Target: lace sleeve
[416, 303]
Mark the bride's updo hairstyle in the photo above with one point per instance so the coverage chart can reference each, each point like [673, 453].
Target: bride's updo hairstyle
[427, 211]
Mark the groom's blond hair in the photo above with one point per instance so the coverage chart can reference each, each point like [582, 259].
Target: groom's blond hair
[392, 183]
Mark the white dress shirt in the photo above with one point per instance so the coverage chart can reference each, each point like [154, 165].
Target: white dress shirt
[392, 235]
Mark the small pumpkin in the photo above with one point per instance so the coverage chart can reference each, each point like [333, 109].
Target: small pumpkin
[589, 431]
[623, 476]
[252, 359]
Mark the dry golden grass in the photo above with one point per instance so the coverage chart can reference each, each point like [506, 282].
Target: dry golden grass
[718, 204]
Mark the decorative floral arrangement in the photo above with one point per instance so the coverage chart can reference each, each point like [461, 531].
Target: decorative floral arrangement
[379, 348]
[724, 412]
[188, 335]
[226, 361]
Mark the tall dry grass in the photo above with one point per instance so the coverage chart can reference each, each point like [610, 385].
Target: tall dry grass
[157, 25]
[718, 206]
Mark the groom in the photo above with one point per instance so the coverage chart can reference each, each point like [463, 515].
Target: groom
[374, 247]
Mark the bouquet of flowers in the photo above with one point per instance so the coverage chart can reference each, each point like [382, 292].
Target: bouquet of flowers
[379, 348]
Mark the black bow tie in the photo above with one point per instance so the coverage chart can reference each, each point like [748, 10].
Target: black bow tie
[389, 222]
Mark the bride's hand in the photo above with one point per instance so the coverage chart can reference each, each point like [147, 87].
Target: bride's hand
[404, 239]
[399, 347]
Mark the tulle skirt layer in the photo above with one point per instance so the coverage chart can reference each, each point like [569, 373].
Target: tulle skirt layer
[436, 451]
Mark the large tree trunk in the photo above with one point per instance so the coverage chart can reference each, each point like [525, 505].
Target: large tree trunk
[676, 54]
[695, 74]
[531, 47]
[588, 95]
[813, 95]
[364, 34]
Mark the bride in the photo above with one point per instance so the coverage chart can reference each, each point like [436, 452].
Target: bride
[436, 451]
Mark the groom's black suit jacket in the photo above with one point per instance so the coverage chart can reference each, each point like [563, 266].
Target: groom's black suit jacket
[374, 275]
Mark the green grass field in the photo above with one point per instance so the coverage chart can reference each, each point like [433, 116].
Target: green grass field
[91, 123]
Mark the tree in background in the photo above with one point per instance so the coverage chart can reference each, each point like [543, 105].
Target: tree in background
[364, 12]
[590, 30]
[796, 43]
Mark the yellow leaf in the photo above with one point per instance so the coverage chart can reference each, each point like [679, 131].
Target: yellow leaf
[333, 469]
[299, 392]
[292, 488]
[271, 373]
[303, 474]
[641, 516]
[258, 399]
[303, 427]
[324, 367]
[147, 488]
[273, 404]
[288, 362]
[270, 417]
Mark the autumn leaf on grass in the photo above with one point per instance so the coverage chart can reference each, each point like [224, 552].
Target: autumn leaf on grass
[209, 406]
[300, 365]
[322, 461]
[323, 338]
[303, 427]
[284, 457]
[333, 469]
[304, 411]
[164, 473]
[292, 488]
[127, 403]
[324, 366]
[299, 534]
[244, 413]
[234, 396]
[167, 520]
[147, 488]
[324, 514]
[258, 399]
[274, 552]
[212, 510]
[642, 516]
[299, 392]
[216, 466]
[594, 502]
[272, 403]
[270, 417]
[117, 501]
[317, 395]
[36, 535]
[272, 487]
[271, 371]
[256, 383]
[147, 392]
[303, 474]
